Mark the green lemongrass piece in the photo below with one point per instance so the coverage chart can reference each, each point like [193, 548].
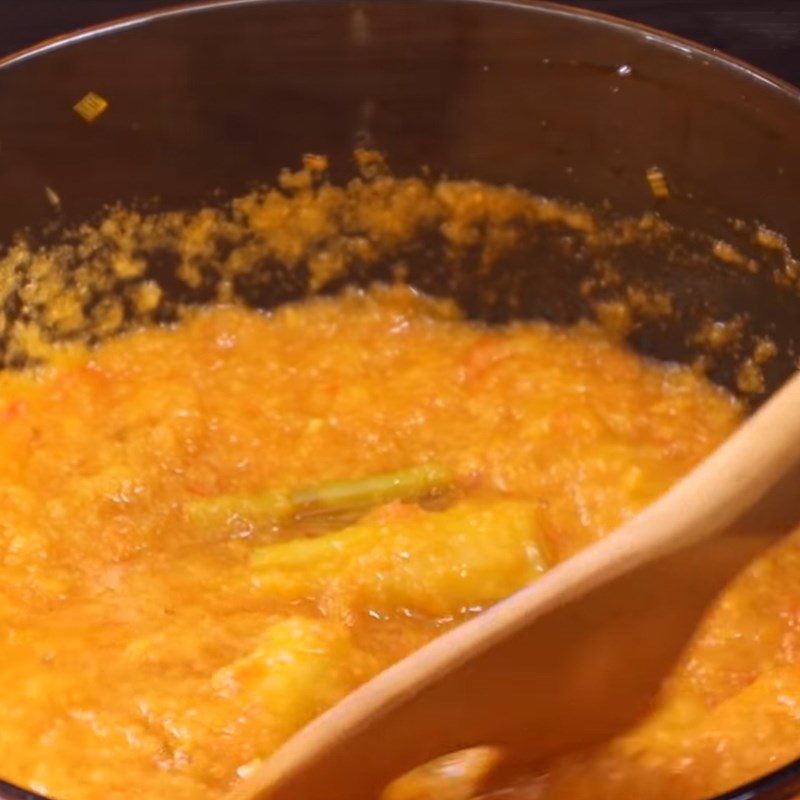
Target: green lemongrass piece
[276, 506]
[263, 508]
[410, 484]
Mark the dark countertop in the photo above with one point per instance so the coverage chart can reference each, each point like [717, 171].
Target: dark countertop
[763, 32]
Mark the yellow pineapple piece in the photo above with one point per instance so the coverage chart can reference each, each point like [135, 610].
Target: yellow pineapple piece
[436, 563]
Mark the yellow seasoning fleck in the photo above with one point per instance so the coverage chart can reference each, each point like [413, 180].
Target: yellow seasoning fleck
[90, 106]
[658, 182]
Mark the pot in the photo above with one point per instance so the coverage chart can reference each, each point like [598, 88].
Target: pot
[207, 100]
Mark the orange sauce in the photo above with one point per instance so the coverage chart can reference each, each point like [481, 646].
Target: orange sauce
[145, 655]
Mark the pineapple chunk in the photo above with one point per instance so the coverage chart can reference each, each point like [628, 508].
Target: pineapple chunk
[456, 776]
[301, 667]
[405, 558]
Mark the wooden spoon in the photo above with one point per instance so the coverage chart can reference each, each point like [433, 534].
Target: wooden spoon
[576, 656]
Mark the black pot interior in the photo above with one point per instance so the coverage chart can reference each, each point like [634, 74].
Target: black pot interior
[564, 104]
[205, 103]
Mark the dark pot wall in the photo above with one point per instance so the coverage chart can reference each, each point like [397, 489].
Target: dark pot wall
[567, 105]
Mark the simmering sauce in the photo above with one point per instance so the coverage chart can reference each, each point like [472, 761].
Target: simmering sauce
[168, 617]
